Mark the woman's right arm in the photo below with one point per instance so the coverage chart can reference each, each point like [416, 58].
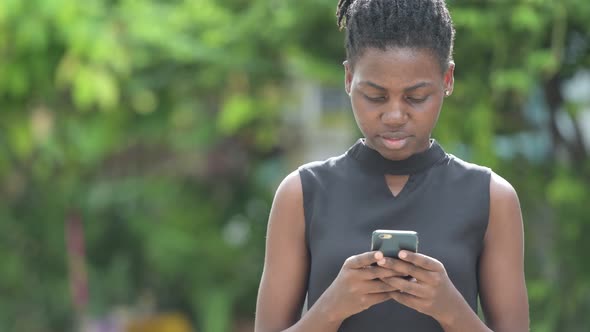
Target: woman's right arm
[286, 266]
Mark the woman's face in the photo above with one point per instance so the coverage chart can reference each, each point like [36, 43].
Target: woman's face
[396, 97]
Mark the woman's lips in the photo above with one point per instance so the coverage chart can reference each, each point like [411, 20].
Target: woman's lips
[394, 143]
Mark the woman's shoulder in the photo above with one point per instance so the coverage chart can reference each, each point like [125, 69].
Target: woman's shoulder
[461, 165]
[333, 168]
[315, 171]
[500, 189]
[330, 163]
[458, 173]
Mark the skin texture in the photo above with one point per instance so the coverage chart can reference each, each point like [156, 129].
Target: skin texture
[395, 94]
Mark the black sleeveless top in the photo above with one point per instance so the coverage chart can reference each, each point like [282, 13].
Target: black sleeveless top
[446, 200]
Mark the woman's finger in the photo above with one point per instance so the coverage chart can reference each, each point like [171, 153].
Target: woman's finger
[407, 286]
[362, 260]
[377, 272]
[404, 268]
[420, 260]
[378, 286]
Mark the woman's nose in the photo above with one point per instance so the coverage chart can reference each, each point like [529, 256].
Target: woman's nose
[394, 115]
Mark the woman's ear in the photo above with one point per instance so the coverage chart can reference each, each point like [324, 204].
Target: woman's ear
[347, 77]
[449, 79]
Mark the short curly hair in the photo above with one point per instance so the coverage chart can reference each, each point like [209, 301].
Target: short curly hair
[420, 24]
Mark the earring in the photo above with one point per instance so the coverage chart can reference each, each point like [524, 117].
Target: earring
[447, 93]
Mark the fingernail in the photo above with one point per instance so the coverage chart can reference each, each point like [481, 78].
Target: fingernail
[378, 255]
[381, 262]
[402, 254]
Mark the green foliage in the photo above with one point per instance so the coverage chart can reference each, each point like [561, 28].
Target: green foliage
[157, 122]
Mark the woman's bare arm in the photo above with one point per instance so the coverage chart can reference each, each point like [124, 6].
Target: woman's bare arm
[284, 280]
[501, 273]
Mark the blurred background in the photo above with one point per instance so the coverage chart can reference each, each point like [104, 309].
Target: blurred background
[141, 142]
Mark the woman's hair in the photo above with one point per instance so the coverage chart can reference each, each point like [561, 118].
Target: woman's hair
[419, 24]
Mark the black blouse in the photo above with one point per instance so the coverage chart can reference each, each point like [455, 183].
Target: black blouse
[446, 200]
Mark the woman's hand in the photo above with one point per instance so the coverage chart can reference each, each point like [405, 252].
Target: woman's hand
[358, 286]
[429, 291]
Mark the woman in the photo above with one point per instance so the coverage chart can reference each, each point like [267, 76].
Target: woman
[397, 73]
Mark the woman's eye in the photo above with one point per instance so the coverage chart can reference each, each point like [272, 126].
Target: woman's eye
[417, 100]
[375, 99]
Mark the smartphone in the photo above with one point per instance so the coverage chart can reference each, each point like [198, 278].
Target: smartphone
[390, 242]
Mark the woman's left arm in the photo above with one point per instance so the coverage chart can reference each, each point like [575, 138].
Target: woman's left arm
[501, 275]
[503, 293]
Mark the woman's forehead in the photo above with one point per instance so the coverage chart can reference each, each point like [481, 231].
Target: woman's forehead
[397, 65]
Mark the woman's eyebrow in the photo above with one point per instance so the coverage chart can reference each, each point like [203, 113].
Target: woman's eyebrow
[410, 88]
[417, 86]
[374, 85]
